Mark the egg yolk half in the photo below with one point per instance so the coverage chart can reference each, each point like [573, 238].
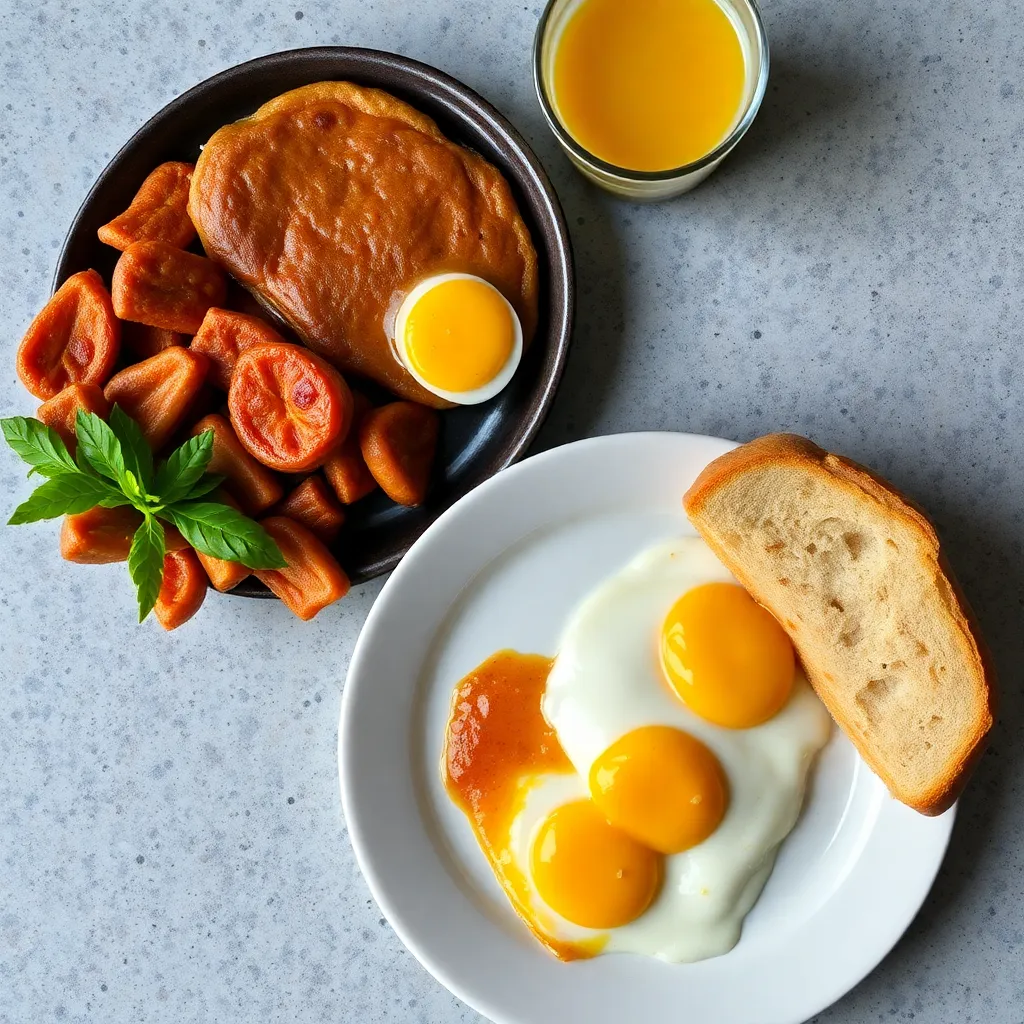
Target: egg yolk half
[726, 657]
[590, 872]
[459, 334]
[661, 786]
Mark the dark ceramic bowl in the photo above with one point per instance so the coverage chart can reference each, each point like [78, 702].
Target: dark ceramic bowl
[476, 441]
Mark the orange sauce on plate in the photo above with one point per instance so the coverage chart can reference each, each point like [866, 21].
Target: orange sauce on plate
[497, 742]
[649, 85]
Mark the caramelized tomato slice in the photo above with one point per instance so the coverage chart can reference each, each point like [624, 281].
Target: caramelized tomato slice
[158, 211]
[162, 286]
[346, 469]
[61, 412]
[224, 575]
[225, 334]
[182, 590]
[312, 505]
[289, 408]
[104, 535]
[398, 442]
[73, 340]
[312, 579]
[255, 486]
[99, 536]
[159, 392]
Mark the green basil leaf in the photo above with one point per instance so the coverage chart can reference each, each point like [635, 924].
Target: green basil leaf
[184, 468]
[85, 468]
[209, 482]
[115, 500]
[38, 445]
[146, 563]
[138, 456]
[99, 448]
[222, 532]
[131, 487]
[63, 495]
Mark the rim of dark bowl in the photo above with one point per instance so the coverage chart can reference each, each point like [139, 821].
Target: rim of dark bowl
[555, 255]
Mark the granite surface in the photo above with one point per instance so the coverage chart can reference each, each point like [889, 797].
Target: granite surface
[172, 842]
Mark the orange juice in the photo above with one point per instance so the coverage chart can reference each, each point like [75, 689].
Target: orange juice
[649, 85]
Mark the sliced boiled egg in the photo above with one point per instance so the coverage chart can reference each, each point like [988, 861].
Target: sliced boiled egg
[459, 337]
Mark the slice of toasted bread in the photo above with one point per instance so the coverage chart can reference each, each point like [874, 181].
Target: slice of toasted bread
[856, 577]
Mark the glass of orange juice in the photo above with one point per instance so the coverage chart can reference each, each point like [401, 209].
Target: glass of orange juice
[647, 97]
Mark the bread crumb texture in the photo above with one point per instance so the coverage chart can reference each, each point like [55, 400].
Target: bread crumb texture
[854, 575]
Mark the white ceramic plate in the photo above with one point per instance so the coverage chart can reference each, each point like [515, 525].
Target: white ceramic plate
[502, 568]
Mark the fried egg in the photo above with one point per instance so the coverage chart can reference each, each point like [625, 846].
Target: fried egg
[632, 794]
[459, 337]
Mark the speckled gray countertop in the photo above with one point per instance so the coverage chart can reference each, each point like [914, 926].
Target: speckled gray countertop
[172, 842]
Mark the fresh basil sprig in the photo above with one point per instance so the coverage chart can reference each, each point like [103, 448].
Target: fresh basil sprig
[114, 467]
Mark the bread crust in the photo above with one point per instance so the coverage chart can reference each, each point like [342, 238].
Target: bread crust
[776, 450]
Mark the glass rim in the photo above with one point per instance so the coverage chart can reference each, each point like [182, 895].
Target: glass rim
[709, 159]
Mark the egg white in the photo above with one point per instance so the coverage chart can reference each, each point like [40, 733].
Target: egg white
[476, 395]
[607, 681]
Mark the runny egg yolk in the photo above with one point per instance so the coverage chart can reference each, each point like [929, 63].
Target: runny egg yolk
[590, 872]
[726, 657]
[662, 786]
[459, 334]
